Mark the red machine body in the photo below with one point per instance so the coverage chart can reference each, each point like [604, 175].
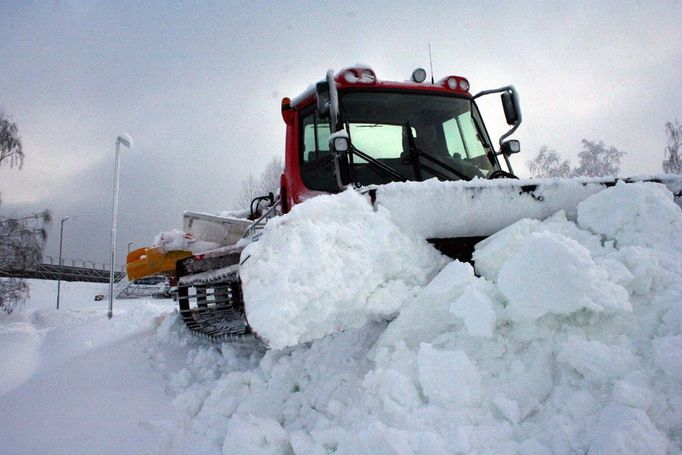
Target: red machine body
[293, 190]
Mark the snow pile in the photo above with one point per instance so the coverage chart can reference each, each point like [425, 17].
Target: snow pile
[331, 264]
[567, 339]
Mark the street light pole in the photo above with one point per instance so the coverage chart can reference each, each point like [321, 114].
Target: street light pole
[59, 276]
[128, 142]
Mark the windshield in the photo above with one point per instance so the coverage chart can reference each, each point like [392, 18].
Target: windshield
[420, 136]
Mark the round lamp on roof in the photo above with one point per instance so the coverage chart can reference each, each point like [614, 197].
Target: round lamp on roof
[419, 75]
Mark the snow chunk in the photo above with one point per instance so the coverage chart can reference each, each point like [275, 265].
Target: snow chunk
[554, 274]
[625, 430]
[252, 434]
[508, 408]
[429, 314]
[331, 264]
[632, 267]
[634, 214]
[448, 378]
[476, 310]
[596, 361]
[668, 355]
[633, 390]
[491, 253]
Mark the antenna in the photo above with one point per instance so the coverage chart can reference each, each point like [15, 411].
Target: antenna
[431, 63]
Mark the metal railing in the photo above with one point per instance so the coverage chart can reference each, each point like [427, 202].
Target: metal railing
[52, 271]
[82, 263]
[254, 231]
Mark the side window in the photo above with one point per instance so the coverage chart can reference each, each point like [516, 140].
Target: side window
[315, 138]
[461, 137]
[453, 138]
[316, 172]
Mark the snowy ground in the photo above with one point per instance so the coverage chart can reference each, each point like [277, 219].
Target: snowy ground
[566, 338]
[75, 382]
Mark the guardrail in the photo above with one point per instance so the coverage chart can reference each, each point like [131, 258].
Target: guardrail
[82, 263]
[64, 272]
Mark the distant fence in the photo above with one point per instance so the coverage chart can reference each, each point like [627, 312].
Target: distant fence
[70, 270]
[82, 263]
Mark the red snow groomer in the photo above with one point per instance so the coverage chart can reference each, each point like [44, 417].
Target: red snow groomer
[353, 130]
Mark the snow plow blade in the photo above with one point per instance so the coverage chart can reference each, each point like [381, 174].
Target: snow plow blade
[150, 261]
[454, 216]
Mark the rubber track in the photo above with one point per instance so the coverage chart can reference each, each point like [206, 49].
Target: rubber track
[215, 312]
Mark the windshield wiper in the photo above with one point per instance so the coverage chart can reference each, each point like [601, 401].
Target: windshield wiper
[416, 154]
[377, 166]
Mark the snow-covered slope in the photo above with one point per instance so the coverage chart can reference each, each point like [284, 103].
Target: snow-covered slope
[565, 338]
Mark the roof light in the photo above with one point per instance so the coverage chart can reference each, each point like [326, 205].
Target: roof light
[419, 75]
[350, 76]
[361, 75]
[367, 76]
[455, 83]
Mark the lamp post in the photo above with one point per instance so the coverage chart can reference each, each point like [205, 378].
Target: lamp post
[59, 276]
[128, 142]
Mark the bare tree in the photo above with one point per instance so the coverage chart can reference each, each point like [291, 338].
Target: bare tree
[21, 248]
[266, 182]
[21, 239]
[548, 163]
[672, 163]
[11, 151]
[598, 160]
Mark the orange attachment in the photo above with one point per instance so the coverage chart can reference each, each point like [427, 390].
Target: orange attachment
[150, 261]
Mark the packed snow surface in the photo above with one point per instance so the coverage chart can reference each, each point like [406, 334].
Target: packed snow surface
[566, 337]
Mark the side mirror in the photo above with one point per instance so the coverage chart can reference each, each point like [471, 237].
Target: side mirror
[510, 104]
[339, 142]
[323, 98]
[510, 147]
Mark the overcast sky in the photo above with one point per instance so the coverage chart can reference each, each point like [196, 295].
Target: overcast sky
[198, 86]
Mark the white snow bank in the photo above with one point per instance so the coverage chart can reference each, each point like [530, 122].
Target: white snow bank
[329, 265]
